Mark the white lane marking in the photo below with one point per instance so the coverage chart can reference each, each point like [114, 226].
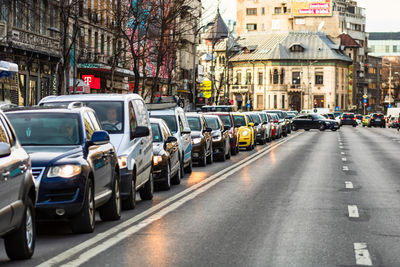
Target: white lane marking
[344, 159]
[343, 153]
[341, 147]
[341, 144]
[346, 168]
[362, 254]
[349, 185]
[353, 211]
[159, 210]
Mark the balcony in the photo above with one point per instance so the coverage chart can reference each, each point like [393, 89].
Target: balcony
[296, 88]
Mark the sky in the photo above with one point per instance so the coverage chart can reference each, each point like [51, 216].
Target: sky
[382, 15]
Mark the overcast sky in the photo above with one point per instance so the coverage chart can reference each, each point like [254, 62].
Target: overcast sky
[382, 15]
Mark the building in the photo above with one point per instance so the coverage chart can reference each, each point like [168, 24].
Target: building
[29, 49]
[293, 70]
[384, 44]
[374, 80]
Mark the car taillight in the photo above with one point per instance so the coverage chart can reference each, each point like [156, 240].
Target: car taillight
[354, 119]
[342, 119]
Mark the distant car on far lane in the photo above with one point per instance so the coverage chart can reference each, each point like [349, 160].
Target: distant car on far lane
[393, 122]
[377, 120]
[348, 119]
[313, 121]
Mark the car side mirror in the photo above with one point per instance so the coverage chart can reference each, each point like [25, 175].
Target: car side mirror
[99, 138]
[256, 124]
[140, 131]
[186, 130]
[208, 130]
[5, 150]
[171, 139]
[227, 128]
[251, 124]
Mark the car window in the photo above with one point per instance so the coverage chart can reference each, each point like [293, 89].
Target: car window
[95, 121]
[132, 118]
[226, 119]
[264, 117]
[8, 128]
[89, 128]
[170, 120]
[194, 123]
[164, 130]
[110, 114]
[348, 116]
[58, 129]
[155, 129]
[3, 134]
[239, 120]
[213, 123]
[256, 118]
[180, 124]
[142, 117]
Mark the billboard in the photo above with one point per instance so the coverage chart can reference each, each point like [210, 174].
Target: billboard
[312, 8]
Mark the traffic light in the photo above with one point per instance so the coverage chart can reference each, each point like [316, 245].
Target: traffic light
[315, 104]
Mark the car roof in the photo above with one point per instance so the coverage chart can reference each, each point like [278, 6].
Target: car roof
[156, 120]
[194, 114]
[48, 109]
[211, 116]
[88, 97]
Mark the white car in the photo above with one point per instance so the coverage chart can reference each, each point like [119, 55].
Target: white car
[178, 124]
[126, 119]
[267, 124]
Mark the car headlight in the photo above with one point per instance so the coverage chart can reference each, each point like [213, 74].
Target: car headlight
[64, 171]
[196, 141]
[217, 137]
[245, 133]
[123, 162]
[157, 160]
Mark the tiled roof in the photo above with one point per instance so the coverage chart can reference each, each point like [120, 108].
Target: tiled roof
[348, 41]
[276, 46]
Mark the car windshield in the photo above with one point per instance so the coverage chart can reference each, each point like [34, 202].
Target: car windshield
[194, 123]
[279, 113]
[226, 119]
[212, 123]
[348, 116]
[110, 113]
[46, 128]
[170, 120]
[319, 117]
[264, 117]
[155, 129]
[239, 120]
[379, 116]
[256, 118]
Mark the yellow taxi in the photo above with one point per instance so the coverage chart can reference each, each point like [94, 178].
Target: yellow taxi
[246, 134]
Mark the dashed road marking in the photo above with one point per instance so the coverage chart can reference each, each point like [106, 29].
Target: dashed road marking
[346, 168]
[341, 147]
[343, 153]
[353, 211]
[349, 185]
[344, 159]
[341, 144]
[362, 254]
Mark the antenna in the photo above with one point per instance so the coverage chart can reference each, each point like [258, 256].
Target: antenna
[321, 25]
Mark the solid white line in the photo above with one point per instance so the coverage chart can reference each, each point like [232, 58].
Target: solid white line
[353, 211]
[114, 235]
[344, 159]
[349, 185]
[362, 254]
[343, 153]
[346, 168]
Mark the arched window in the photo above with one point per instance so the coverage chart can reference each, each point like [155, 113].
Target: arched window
[282, 76]
[276, 76]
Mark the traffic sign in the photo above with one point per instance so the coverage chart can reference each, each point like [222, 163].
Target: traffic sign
[365, 96]
[365, 100]
[369, 108]
[337, 108]
[390, 106]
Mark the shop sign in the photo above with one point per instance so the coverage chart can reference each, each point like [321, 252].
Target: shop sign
[93, 82]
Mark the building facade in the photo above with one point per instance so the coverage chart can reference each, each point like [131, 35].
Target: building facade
[290, 71]
[384, 44]
[374, 80]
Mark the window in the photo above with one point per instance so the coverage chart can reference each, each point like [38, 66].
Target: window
[263, 10]
[251, 27]
[155, 130]
[95, 121]
[296, 48]
[395, 48]
[319, 78]
[19, 18]
[276, 76]
[260, 78]
[132, 118]
[108, 46]
[238, 78]
[89, 39]
[282, 76]
[283, 101]
[43, 15]
[248, 78]
[277, 10]
[372, 70]
[275, 101]
[251, 11]
[296, 78]
[142, 118]
[387, 49]
[96, 42]
[4, 11]
[102, 44]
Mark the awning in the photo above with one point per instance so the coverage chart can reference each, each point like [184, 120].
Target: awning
[106, 69]
[7, 68]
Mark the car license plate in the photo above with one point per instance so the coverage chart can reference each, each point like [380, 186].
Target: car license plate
[378, 119]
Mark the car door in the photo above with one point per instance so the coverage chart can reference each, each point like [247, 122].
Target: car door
[96, 156]
[12, 173]
[186, 139]
[172, 148]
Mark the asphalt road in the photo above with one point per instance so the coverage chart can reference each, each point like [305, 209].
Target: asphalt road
[312, 199]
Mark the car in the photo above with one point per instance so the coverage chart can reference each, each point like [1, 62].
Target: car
[127, 122]
[348, 119]
[220, 137]
[365, 120]
[167, 170]
[220, 108]
[202, 144]
[377, 120]
[278, 127]
[73, 162]
[228, 120]
[313, 121]
[260, 127]
[246, 134]
[393, 122]
[17, 195]
[178, 124]
[283, 124]
[267, 124]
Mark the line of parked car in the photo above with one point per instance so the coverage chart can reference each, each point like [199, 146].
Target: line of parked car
[72, 155]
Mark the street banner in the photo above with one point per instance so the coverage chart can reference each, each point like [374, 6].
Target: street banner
[312, 8]
[207, 86]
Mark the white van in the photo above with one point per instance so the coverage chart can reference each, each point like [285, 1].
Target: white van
[126, 119]
[393, 112]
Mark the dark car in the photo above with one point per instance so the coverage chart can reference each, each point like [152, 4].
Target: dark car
[166, 166]
[227, 119]
[377, 120]
[17, 195]
[348, 119]
[220, 136]
[73, 162]
[313, 121]
[202, 150]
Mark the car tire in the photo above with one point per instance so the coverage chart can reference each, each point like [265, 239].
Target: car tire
[294, 128]
[20, 244]
[129, 203]
[322, 127]
[210, 158]
[354, 126]
[147, 191]
[166, 185]
[203, 160]
[86, 220]
[189, 168]
[306, 130]
[178, 176]
[111, 211]
[237, 149]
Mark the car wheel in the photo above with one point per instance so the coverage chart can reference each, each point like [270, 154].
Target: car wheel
[166, 185]
[20, 244]
[322, 127]
[294, 128]
[147, 191]
[130, 202]
[111, 211]
[210, 158]
[354, 125]
[203, 160]
[306, 130]
[189, 168]
[85, 221]
[178, 176]
[237, 149]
